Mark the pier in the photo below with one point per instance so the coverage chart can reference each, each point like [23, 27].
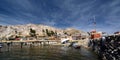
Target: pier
[41, 42]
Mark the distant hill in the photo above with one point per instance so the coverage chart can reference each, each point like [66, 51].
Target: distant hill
[24, 30]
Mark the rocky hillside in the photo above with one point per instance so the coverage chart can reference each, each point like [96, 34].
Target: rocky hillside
[24, 30]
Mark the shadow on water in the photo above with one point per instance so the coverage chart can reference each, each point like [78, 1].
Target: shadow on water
[46, 53]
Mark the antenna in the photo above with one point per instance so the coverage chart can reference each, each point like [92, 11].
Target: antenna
[94, 23]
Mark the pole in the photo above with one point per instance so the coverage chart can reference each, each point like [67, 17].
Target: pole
[94, 23]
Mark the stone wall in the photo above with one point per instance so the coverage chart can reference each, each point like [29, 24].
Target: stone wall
[107, 48]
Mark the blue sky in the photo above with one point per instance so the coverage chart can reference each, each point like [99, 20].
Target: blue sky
[63, 13]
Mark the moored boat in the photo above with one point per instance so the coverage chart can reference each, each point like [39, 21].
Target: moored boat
[75, 45]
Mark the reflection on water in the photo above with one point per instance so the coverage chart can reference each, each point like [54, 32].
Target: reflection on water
[46, 53]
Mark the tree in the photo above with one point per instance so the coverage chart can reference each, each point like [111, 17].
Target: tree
[32, 33]
[65, 33]
[43, 30]
[47, 32]
[52, 33]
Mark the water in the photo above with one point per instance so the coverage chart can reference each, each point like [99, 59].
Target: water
[46, 53]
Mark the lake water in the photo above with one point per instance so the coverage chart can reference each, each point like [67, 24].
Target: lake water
[46, 53]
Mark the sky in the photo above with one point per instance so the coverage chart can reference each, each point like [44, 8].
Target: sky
[79, 14]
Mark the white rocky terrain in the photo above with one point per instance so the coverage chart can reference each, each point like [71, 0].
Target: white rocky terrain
[24, 30]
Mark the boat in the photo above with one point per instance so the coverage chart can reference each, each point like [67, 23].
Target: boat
[0, 45]
[75, 45]
[64, 41]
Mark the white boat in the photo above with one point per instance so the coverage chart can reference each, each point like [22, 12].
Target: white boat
[75, 45]
[0, 45]
[63, 41]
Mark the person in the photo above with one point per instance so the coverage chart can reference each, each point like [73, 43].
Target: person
[93, 45]
[89, 43]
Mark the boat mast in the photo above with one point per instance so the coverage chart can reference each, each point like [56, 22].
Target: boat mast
[94, 23]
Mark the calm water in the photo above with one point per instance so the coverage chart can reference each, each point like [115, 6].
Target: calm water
[46, 53]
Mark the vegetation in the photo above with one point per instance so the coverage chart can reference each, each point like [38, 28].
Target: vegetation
[32, 33]
[50, 33]
[65, 33]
